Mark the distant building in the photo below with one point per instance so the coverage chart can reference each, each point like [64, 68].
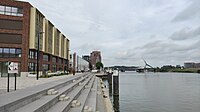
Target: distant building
[191, 65]
[78, 64]
[95, 57]
[197, 65]
[86, 57]
[82, 65]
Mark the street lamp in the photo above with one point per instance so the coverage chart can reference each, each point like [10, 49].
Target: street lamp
[68, 60]
[38, 53]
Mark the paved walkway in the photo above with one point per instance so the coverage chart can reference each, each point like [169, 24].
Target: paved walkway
[24, 82]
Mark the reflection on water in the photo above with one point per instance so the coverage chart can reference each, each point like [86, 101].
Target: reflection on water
[159, 92]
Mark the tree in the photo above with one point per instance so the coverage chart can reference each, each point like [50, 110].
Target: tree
[99, 65]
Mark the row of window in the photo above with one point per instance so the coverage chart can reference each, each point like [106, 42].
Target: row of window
[32, 54]
[33, 67]
[10, 52]
[14, 11]
[46, 57]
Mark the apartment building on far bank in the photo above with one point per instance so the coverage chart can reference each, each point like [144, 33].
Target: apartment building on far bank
[21, 26]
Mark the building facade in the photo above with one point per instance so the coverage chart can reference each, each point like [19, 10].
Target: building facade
[78, 64]
[95, 57]
[86, 57]
[191, 65]
[21, 27]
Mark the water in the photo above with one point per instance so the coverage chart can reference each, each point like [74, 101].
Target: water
[159, 92]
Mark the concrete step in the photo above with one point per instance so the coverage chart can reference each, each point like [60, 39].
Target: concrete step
[64, 106]
[83, 97]
[91, 102]
[100, 106]
[14, 100]
[45, 102]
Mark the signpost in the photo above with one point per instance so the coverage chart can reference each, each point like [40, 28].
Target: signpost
[12, 68]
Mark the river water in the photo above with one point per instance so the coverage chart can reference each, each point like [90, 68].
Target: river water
[159, 92]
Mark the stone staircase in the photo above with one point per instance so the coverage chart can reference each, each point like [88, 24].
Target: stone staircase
[74, 94]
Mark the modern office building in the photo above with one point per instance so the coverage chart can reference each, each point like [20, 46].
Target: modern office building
[21, 25]
[95, 57]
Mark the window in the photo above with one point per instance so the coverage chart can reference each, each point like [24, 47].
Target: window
[45, 67]
[32, 67]
[1, 52]
[54, 68]
[6, 52]
[31, 54]
[8, 10]
[18, 53]
[10, 52]
[54, 59]
[2, 9]
[46, 57]
[60, 61]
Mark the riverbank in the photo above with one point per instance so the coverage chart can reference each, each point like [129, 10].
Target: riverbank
[188, 70]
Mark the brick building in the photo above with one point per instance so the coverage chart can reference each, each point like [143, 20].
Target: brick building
[95, 57]
[21, 27]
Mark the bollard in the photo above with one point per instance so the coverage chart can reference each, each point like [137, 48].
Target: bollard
[116, 83]
[116, 91]
[110, 83]
[116, 103]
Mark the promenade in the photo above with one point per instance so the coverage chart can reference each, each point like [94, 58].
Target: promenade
[24, 82]
[82, 92]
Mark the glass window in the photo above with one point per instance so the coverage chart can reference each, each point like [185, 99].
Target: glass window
[6, 52]
[1, 52]
[54, 59]
[12, 52]
[32, 67]
[8, 9]
[45, 67]
[2, 8]
[19, 10]
[54, 68]
[14, 10]
[31, 54]
[18, 52]
[46, 57]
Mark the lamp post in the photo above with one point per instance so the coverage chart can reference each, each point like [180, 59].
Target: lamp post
[68, 60]
[38, 54]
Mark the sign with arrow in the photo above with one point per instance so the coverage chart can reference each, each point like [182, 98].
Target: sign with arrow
[12, 67]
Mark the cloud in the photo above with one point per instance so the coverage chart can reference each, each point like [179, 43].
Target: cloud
[185, 33]
[190, 12]
[128, 30]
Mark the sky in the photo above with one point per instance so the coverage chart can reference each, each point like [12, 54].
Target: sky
[163, 32]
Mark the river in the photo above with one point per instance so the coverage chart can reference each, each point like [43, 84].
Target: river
[159, 92]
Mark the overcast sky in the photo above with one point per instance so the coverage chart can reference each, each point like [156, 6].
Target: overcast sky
[125, 31]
